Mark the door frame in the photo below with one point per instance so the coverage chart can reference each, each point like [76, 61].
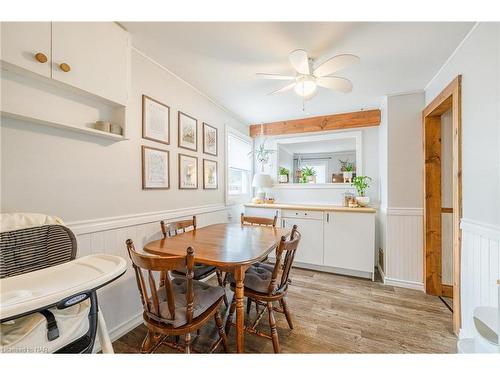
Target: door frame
[449, 98]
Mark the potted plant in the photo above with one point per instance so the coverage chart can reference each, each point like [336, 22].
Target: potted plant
[284, 175]
[346, 167]
[262, 154]
[308, 175]
[361, 183]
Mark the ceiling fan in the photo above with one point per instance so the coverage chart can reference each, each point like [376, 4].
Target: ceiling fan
[308, 76]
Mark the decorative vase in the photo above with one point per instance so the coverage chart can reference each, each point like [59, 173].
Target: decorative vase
[311, 179]
[347, 177]
[363, 201]
[283, 178]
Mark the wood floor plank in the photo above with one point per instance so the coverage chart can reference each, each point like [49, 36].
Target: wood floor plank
[340, 314]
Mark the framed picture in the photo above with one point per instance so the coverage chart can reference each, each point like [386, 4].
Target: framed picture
[209, 139]
[210, 176]
[155, 168]
[187, 132]
[188, 172]
[155, 120]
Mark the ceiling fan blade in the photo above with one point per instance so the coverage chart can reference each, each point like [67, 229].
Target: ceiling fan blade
[300, 61]
[335, 64]
[275, 76]
[286, 88]
[335, 83]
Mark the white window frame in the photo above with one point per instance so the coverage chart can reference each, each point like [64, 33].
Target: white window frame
[239, 198]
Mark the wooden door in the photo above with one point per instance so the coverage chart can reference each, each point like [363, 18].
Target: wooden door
[27, 45]
[310, 250]
[97, 55]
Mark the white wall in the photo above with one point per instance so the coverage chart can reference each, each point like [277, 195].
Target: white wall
[401, 165]
[477, 59]
[80, 177]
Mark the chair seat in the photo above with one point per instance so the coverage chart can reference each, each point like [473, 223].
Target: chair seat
[257, 277]
[200, 271]
[204, 297]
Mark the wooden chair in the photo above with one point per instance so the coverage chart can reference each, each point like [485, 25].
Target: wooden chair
[266, 287]
[201, 271]
[259, 221]
[178, 307]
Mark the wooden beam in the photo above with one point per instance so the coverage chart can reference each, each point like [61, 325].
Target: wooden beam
[339, 121]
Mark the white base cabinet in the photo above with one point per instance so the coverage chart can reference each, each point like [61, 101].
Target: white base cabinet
[349, 241]
[332, 241]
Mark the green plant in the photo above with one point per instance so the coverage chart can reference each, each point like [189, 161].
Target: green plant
[284, 171]
[262, 154]
[306, 172]
[361, 183]
[346, 166]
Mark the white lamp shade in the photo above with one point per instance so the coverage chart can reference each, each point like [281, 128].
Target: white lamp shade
[261, 180]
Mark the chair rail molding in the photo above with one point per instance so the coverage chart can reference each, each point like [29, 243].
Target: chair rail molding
[480, 270]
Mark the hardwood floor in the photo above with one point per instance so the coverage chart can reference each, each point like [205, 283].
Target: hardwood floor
[340, 314]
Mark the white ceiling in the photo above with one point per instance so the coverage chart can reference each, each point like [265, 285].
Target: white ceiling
[221, 59]
[320, 147]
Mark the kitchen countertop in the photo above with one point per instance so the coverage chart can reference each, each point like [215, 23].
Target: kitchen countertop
[311, 207]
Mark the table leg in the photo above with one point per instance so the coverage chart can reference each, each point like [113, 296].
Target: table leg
[239, 276]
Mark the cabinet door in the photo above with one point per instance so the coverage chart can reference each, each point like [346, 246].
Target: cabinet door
[22, 41]
[97, 54]
[310, 248]
[350, 241]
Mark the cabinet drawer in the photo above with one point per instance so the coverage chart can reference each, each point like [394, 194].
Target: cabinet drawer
[302, 214]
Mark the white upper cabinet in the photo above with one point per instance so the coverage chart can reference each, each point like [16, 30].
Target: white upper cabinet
[93, 56]
[27, 45]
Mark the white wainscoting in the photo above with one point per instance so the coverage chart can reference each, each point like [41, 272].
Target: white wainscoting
[404, 247]
[480, 270]
[119, 301]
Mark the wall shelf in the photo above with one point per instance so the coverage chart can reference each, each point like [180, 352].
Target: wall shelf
[79, 129]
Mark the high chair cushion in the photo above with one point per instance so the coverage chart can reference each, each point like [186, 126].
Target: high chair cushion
[258, 277]
[200, 271]
[28, 334]
[204, 297]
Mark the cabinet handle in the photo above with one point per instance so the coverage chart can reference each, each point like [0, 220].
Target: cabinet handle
[327, 217]
[41, 57]
[283, 223]
[64, 67]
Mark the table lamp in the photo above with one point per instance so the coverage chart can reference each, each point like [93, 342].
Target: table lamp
[261, 181]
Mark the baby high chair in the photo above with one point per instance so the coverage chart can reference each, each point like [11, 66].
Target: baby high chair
[48, 299]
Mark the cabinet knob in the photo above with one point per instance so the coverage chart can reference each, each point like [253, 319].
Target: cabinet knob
[41, 57]
[64, 67]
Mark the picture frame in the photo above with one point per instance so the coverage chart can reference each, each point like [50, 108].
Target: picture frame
[155, 168]
[210, 175]
[155, 120]
[210, 139]
[187, 132]
[188, 172]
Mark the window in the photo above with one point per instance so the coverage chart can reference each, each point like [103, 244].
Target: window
[239, 167]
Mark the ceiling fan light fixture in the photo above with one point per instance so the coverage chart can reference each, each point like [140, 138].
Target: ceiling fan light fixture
[305, 86]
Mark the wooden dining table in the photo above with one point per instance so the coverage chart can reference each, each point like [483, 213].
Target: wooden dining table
[229, 247]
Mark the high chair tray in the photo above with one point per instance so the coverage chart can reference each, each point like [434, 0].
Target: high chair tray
[46, 287]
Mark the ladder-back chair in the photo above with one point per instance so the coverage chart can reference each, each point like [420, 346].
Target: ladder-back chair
[178, 307]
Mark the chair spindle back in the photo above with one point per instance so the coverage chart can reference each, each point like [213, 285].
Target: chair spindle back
[149, 264]
[172, 229]
[262, 221]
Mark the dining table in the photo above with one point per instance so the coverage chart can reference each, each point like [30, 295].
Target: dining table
[229, 247]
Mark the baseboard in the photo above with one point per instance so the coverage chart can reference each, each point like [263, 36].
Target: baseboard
[335, 270]
[120, 330]
[108, 223]
[404, 284]
[447, 290]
